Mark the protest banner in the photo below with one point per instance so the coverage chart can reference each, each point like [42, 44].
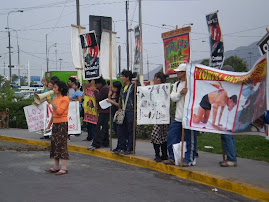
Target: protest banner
[35, 117]
[38, 117]
[105, 55]
[76, 50]
[215, 40]
[176, 48]
[90, 112]
[226, 102]
[90, 56]
[137, 54]
[153, 104]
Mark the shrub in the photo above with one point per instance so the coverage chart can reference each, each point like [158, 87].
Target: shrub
[16, 113]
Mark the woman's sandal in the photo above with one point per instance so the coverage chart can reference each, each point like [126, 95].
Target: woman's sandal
[61, 173]
[52, 170]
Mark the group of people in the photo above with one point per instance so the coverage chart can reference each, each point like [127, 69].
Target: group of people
[163, 137]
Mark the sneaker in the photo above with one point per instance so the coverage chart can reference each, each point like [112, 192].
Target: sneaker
[127, 152]
[228, 164]
[118, 152]
[91, 148]
[164, 158]
[169, 162]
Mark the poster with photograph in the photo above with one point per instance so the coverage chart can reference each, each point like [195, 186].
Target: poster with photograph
[153, 104]
[215, 41]
[226, 102]
[90, 56]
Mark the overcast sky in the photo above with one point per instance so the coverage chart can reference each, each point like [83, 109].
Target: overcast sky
[242, 22]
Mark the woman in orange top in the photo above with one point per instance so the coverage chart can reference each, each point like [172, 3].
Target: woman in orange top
[60, 104]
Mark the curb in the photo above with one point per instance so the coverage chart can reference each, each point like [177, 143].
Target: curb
[200, 177]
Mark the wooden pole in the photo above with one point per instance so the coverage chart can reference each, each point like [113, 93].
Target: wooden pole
[135, 122]
[110, 76]
[183, 131]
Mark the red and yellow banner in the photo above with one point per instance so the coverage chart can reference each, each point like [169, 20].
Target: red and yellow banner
[226, 102]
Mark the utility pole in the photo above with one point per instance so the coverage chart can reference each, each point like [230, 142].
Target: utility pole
[78, 13]
[60, 63]
[141, 41]
[119, 49]
[47, 52]
[56, 58]
[9, 52]
[127, 36]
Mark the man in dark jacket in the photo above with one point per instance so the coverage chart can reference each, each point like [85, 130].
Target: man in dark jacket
[101, 138]
[125, 130]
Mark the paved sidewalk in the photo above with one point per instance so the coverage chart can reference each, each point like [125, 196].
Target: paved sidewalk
[250, 178]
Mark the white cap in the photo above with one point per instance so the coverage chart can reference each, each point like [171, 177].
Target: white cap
[181, 67]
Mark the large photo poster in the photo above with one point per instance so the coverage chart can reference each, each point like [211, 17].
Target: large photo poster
[153, 104]
[215, 40]
[90, 56]
[176, 48]
[226, 102]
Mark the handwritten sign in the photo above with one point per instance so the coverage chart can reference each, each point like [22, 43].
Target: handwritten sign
[35, 117]
[38, 117]
[153, 104]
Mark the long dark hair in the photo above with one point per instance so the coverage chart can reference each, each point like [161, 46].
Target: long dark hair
[62, 87]
[117, 85]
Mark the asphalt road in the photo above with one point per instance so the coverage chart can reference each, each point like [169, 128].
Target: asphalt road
[22, 178]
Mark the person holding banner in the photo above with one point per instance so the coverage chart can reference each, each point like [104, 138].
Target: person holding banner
[159, 131]
[60, 105]
[175, 130]
[125, 130]
[101, 138]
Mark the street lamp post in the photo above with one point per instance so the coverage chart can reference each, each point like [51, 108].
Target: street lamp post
[53, 45]
[9, 45]
[60, 64]
[187, 24]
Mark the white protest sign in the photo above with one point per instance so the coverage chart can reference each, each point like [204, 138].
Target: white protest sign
[35, 117]
[153, 104]
[74, 126]
[38, 117]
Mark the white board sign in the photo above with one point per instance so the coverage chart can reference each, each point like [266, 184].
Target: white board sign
[153, 104]
[35, 117]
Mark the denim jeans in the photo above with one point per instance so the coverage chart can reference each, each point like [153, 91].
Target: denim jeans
[91, 128]
[174, 137]
[125, 132]
[229, 146]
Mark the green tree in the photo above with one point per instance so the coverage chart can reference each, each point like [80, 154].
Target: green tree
[2, 80]
[6, 92]
[14, 78]
[205, 62]
[237, 63]
[24, 81]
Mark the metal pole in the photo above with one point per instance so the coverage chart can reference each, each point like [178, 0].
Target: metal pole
[56, 58]
[47, 52]
[127, 36]
[141, 41]
[148, 64]
[9, 52]
[119, 49]
[78, 13]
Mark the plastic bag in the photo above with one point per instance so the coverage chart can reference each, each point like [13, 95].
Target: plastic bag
[177, 152]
